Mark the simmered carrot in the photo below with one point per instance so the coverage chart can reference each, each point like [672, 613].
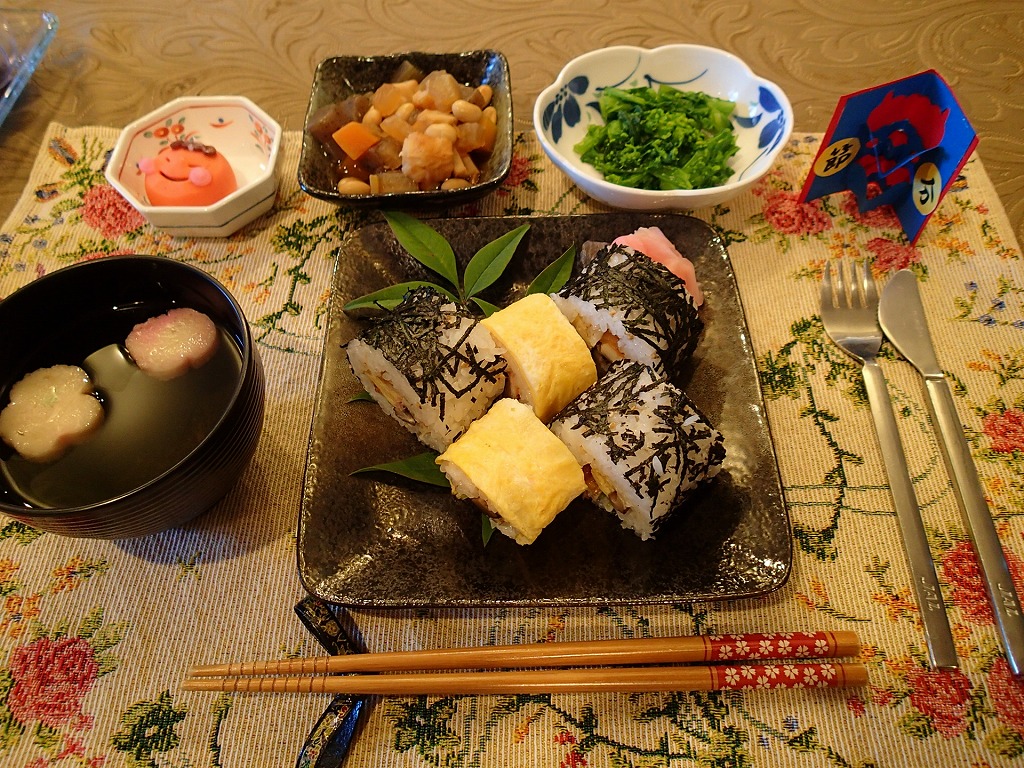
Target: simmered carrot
[355, 139]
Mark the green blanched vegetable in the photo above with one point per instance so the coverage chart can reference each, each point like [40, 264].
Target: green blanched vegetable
[661, 138]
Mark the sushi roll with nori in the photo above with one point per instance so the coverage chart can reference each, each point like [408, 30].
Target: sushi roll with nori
[511, 466]
[548, 363]
[642, 443]
[654, 244]
[627, 306]
[429, 364]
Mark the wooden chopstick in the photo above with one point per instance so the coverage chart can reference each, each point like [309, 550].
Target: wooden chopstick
[772, 676]
[654, 650]
[717, 662]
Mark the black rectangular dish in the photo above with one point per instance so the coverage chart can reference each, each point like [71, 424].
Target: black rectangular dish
[364, 540]
[339, 77]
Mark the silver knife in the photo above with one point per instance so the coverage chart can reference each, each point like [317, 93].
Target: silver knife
[902, 317]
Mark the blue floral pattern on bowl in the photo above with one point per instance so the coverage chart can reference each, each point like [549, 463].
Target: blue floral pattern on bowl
[565, 107]
[774, 116]
[633, 80]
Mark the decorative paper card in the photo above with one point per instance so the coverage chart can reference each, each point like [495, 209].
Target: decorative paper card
[900, 144]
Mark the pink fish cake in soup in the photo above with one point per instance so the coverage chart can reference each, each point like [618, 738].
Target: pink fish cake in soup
[171, 344]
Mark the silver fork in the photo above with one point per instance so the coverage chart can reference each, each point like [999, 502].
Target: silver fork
[850, 316]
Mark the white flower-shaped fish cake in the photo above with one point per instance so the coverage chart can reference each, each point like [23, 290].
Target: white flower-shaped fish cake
[51, 409]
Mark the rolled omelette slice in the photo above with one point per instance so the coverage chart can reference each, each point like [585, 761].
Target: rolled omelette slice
[549, 364]
[512, 467]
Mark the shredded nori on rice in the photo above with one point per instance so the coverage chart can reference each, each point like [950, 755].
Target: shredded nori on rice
[687, 447]
[412, 338]
[647, 297]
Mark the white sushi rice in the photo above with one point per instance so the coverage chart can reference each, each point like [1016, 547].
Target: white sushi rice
[437, 405]
[608, 486]
[642, 446]
[596, 324]
[628, 307]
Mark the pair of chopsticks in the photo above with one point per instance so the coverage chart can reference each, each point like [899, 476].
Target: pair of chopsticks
[699, 663]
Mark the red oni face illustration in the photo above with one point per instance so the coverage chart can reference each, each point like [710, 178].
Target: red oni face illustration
[187, 173]
[900, 128]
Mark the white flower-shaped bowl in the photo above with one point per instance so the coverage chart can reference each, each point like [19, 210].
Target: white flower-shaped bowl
[763, 119]
[247, 137]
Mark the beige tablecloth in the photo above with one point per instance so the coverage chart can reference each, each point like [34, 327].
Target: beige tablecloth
[96, 636]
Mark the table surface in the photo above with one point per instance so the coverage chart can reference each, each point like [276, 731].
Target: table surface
[96, 636]
[108, 67]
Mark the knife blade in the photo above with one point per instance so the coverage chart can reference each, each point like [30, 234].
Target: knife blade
[902, 317]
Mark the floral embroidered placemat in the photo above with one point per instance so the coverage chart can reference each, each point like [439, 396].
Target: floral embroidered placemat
[95, 636]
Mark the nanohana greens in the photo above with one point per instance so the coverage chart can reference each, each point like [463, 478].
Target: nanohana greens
[661, 138]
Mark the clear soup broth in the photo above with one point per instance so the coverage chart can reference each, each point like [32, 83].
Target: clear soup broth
[149, 426]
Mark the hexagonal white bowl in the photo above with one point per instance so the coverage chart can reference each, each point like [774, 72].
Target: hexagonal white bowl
[763, 119]
[246, 135]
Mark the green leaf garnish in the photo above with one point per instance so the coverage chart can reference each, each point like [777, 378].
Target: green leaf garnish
[485, 306]
[362, 397]
[486, 528]
[555, 275]
[389, 298]
[488, 264]
[420, 467]
[425, 244]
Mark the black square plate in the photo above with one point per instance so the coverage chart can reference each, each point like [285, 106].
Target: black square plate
[365, 542]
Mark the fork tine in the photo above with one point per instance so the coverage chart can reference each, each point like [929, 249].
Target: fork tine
[856, 285]
[827, 301]
[842, 300]
[870, 289]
